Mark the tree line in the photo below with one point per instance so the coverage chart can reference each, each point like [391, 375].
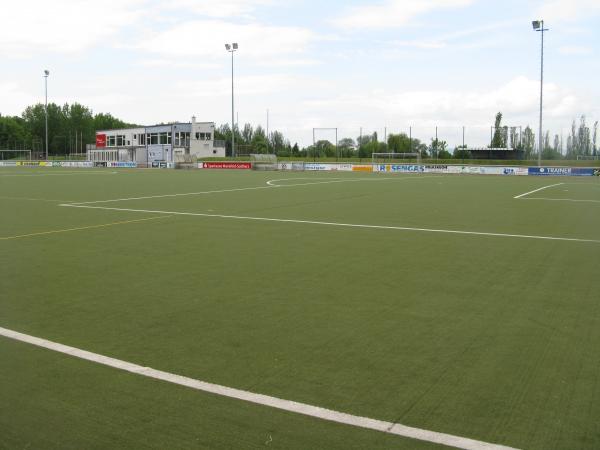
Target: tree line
[70, 127]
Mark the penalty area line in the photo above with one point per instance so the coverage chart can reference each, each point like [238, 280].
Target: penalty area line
[259, 399]
[338, 224]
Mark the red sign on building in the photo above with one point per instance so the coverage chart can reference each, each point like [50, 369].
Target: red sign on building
[100, 140]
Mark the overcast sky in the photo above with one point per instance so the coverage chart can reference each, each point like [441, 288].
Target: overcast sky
[345, 64]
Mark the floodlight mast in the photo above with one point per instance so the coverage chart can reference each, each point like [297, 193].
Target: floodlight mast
[538, 25]
[46, 74]
[232, 48]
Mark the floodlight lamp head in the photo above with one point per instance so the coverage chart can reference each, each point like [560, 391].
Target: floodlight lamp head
[536, 24]
[46, 72]
[227, 47]
[235, 46]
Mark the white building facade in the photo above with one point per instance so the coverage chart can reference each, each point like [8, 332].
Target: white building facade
[172, 143]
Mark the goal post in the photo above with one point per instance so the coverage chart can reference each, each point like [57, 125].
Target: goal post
[264, 161]
[15, 155]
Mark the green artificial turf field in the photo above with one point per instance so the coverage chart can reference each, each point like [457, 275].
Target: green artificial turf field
[352, 292]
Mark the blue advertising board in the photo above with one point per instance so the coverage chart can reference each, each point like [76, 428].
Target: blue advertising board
[561, 171]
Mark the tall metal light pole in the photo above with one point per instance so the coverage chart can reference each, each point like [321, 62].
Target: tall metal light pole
[232, 48]
[538, 25]
[46, 74]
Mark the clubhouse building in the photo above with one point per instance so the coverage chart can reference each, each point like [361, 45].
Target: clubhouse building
[171, 143]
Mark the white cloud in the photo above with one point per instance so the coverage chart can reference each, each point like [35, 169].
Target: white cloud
[178, 64]
[244, 85]
[222, 9]
[206, 38]
[62, 25]
[13, 98]
[574, 50]
[393, 13]
[517, 98]
[555, 11]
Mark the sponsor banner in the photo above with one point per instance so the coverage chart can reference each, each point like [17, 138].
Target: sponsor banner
[286, 166]
[596, 172]
[492, 170]
[519, 171]
[362, 168]
[398, 168]
[487, 170]
[227, 165]
[47, 163]
[99, 164]
[436, 168]
[561, 171]
[317, 167]
[81, 164]
[122, 165]
[100, 140]
[550, 171]
[328, 167]
[582, 172]
[162, 165]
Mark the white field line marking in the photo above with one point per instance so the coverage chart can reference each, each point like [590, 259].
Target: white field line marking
[64, 174]
[269, 186]
[562, 200]
[538, 190]
[337, 224]
[173, 195]
[260, 399]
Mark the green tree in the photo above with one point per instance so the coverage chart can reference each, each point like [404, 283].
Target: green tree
[259, 141]
[461, 152]
[346, 147]
[500, 133]
[528, 142]
[14, 134]
[278, 143]
[438, 147]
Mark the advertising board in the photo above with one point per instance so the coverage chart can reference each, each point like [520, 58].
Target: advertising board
[227, 165]
[8, 163]
[81, 164]
[122, 165]
[317, 167]
[328, 167]
[561, 171]
[435, 168]
[519, 171]
[398, 168]
[362, 168]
